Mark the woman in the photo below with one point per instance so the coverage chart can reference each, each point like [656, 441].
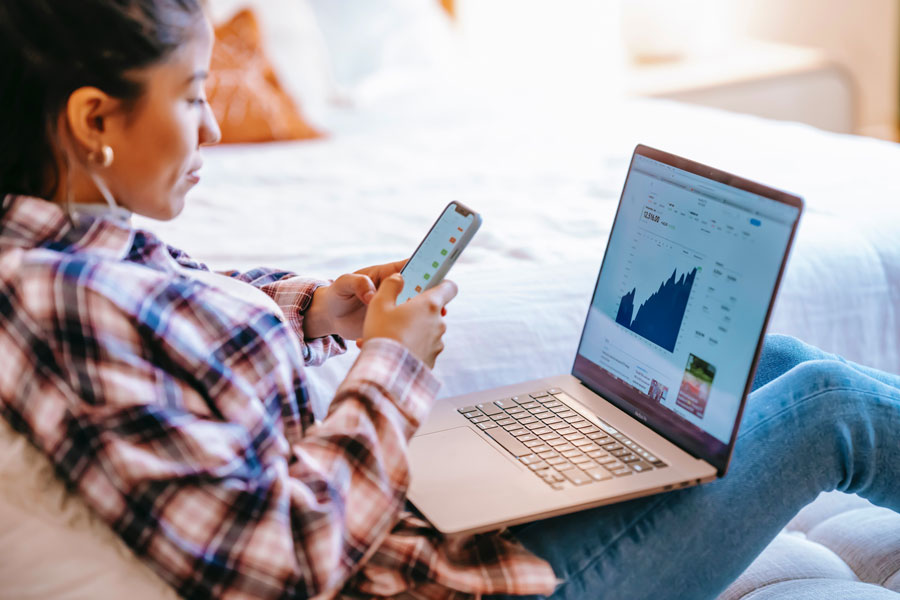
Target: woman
[173, 399]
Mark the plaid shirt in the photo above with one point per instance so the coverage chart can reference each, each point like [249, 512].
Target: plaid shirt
[180, 414]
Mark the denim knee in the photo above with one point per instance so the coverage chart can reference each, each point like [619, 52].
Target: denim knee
[780, 347]
[780, 353]
[823, 375]
[820, 381]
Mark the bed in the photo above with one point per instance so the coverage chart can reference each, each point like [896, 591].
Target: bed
[546, 179]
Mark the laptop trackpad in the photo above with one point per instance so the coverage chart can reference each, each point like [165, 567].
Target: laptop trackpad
[456, 475]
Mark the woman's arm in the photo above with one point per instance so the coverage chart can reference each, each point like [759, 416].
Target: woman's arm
[292, 294]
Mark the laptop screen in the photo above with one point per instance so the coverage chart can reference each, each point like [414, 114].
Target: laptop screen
[684, 292]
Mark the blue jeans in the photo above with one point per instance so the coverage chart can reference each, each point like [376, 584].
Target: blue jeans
[814, 422]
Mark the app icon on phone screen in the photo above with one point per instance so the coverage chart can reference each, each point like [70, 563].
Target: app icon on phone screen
[435, 251]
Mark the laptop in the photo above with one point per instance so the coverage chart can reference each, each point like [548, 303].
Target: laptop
[665, 362]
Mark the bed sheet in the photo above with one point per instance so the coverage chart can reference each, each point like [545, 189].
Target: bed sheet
[547, 180]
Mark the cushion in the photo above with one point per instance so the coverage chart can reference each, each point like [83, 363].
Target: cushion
[244, 92]
[840, 546]
[52, 547]
[821, 589]
[449, 6]
[294, 44]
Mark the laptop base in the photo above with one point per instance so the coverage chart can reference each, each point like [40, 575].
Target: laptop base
[464, 482]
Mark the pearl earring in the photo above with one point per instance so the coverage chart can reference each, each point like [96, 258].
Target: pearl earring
[104, 157]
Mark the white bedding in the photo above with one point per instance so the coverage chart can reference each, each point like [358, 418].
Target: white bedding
[547, 185]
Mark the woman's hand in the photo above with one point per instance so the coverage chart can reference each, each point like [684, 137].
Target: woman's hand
[417, 323]
[340, 308]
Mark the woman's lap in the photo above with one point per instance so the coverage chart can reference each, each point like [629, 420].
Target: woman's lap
[816, 424]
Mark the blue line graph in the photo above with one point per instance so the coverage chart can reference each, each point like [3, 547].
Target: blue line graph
[659, 318]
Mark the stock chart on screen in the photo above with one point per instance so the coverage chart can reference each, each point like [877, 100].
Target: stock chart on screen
[659, 318]
[684, 290]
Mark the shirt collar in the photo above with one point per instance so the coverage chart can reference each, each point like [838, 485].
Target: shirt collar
[28, 222]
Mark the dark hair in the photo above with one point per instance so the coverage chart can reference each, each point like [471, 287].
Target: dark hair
[50, 48]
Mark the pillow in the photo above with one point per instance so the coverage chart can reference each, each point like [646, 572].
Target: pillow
[294, 45]
[245, 93]
[366, 39]
[449, 6]
[52, 547]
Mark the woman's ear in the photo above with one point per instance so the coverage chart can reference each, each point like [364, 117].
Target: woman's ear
[87, 112]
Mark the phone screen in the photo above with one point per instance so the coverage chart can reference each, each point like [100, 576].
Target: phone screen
[447, 235]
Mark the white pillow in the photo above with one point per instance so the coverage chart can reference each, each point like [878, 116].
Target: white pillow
[295, 46]
[52, 547]
[369, 38]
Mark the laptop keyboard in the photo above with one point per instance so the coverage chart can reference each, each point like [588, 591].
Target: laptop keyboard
[557, 443]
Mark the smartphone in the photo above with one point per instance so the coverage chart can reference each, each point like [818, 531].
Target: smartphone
[439, 250]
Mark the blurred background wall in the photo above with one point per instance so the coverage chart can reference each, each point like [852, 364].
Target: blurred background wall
[833, 64]
[861, 36]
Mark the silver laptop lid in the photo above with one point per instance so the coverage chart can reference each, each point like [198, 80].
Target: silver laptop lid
[685, 290]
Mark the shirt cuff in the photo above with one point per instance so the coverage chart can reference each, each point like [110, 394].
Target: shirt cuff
[294, 296]
[386, 368]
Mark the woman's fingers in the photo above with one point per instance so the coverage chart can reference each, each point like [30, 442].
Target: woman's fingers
[379, 273]
[357, 285]
[442, 294]
[417, 324]
[389, 290]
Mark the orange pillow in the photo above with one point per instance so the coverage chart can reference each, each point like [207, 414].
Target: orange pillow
[244, 92]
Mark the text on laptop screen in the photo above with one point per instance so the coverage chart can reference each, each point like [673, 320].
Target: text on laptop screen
[684, 292]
